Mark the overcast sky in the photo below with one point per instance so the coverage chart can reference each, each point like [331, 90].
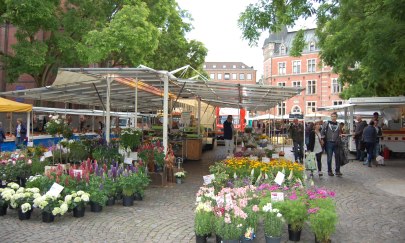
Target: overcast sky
[215, 24]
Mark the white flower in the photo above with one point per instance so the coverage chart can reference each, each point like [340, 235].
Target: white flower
[33, 190]
[63, 208]
[68, 198]
[79, 193]
[77, 199]
[56, 211]
[85, 197]
[25, 207]
[267, 207]
[20, 190]
[279, 215]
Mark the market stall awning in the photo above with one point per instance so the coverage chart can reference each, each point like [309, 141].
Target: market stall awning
[13, 106]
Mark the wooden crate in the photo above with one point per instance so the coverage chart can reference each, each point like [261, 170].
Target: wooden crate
[158, 178]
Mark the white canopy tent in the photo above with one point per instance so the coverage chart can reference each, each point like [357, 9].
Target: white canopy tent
[147, 90]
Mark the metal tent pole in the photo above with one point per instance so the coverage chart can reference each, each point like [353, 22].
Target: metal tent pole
[108, 110]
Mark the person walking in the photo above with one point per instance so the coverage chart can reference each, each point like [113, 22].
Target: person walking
[296, 133]
[358, 134]
[370, 138]
[228, 134]
[315, 145]
[331, 134]
[2, 135]
[20, 133]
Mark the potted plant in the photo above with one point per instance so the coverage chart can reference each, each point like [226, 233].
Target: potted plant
[128, 183]
[77, 201]
[50, 207]
[273, 223]
[98, 196]
[203, 221]
[294, 211]
[179, 176]
[111, 190]
[5, 197]
[23, 201]
[322, 219]
[142, 182]
[130, 138]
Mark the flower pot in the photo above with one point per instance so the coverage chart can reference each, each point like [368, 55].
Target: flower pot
[138, 196]
[218, 239]
[179, 180]
[95, 207]
[271, 239]
[118, 196]
[47, 217]
[325, 241]
[231, 241]
[78, 211]
[127, 201]
[201, 238]
[24, 216]
[3, 210]
[293, 235]
[111, 201]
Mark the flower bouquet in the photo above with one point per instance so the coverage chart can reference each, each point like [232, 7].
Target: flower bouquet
[179, 176]
[273, 222]
[77, 201]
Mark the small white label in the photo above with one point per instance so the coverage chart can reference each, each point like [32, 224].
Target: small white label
[30, 144]
[42, 159]
[266, 160]
[55, 190]
[128, 161]
[275, 156]
[277, 196]
[78, 173]
[279, 178]
[208, 179]
[133, 155]
[48, 154]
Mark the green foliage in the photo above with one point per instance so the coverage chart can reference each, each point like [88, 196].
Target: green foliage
[38, 167]
[221, 176]
[294, 212]
[96, 190]
[78, 151]
[362, 41]
[130, 138]
[203, 223]
[323, 222]
[133, 182]
[298, 44]
[230, 231]
[106, 154]
[59, 127]
[43, 183]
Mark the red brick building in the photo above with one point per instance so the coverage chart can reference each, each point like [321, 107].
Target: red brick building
[230, 72]
[321, 85]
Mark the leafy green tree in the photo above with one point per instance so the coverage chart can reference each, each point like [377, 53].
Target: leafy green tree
[111, 33]
[363, 41]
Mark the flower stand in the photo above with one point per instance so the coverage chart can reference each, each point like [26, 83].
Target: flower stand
[3, 210]
[127, 201]
[47, 217]
[78, 212]
[271, 239]
[95, 207]
[24, 216]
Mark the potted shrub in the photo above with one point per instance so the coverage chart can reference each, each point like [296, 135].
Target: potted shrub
[203, 221]
[111, 190]
[77, 202]
[23, 201]
[294, 211]
[130, 138]
[322, 218]
[5, 197]
[98, 196]
[50, 207]
[128, 183]
[179, 176]
[142, 182]
[273, 223]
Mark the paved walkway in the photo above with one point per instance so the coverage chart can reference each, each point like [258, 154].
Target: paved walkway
[371, 205]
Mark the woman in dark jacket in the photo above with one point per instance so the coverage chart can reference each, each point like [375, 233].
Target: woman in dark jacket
[316, 145]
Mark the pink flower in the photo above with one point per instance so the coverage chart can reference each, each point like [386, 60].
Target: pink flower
[255, 208]
[313, 210]
[293, 196]
[29, 161]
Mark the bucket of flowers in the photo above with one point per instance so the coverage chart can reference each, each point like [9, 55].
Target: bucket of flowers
[50, 206]
[5, 197]
[23, 200]
[77, 202]
[180, 175]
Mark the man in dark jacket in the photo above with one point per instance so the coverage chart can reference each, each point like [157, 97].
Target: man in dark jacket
[358, 134]
[370, 138]
[297, 135]
[331, 134]
[228, 134]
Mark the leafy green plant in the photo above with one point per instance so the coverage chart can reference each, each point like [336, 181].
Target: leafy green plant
[273, 221]
[96, 190]
[77, 199]
[78, 151]
[130, 138]
[323, 218]
[294, 212]
[38, 167]
[204, 219]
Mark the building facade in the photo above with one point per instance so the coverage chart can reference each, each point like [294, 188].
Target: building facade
[230, 72]
[321, 84]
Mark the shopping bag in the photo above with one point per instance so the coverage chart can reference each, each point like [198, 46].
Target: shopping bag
[310, 161]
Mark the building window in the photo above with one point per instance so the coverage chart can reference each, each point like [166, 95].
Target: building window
[311, 87]
[281, 68]
[212, 75]
[281, 84]
[223, 66]
[336, 86]
[214, 66]
[219, 75]
[233, 66]
[234, 76]
[241, 76]
[311, 106]
[296, 110]
[227, 76]
[312, 46]
[296, 66]
[296, 83]
[311, 66]
[281, 110]
[338, 102]
[249, 76]
[282, 49]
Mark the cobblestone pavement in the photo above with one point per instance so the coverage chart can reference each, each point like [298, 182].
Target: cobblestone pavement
[366, 212]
